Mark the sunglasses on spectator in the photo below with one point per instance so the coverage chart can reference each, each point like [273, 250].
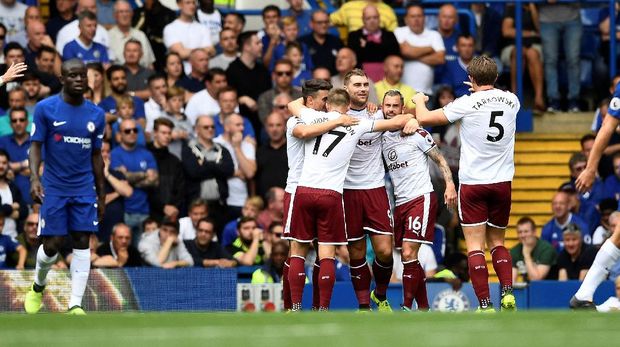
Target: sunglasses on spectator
[18, 120]
[280, 107]
[130, 130]
[284, 73]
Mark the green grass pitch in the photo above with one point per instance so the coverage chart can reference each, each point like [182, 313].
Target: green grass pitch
[523, 329]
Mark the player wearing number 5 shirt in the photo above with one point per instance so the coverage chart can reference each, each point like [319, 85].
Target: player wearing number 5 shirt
[487, 135]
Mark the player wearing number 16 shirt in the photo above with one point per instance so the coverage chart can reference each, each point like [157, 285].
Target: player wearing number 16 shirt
[487, 134]
[318, 211]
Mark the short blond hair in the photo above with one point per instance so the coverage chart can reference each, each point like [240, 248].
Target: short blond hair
[338, 97]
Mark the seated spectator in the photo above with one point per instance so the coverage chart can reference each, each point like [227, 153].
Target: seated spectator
[587, 211]
[562, 217]
[117, 78]
[84, 47]
[612, 182]
[122, 32]
[349, 15]
[532, 258]
[12, 206]
[271, 271]
[576, 164]
[576, 257]
[193, 81]
[31, 242]
[151, 19]
[345, 62]
[137, 75]
[393, 72]
[228, 105]
[45, 67]
[96, 82]
[322, 45]
[125, 109]
[8, 246]
[247, 248]
[251, 208]
[185, 34]
[165, 250]
[280, 106]
[198, 209]
[449, 133]
[116, 189]
[230, 52]
[273, 234]
[455, 71]
[166, 199]
[150, 228]
[282, 76]
[372, 44]
[613, 303]
[31, 82]
[294, 53]
[204, 103]
[205, 250]
[173, 69]
[532, 51]
[18, 145]
[271, 158]
[17, 101]
[275, 206]
[603, 231]
[37, 38]
[118, 252]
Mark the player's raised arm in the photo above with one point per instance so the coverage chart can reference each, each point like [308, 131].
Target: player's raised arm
[426, 117]
[586, 178]
[450, 192]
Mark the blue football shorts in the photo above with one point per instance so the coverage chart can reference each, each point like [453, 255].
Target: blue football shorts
[61, 214]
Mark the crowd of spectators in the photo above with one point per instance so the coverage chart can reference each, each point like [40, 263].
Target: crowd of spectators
[195, 104]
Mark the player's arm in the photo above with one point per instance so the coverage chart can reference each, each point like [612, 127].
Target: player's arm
[308, 131]
[450, 193]
[395, 123]
[97, 161]
[426, 117]
[36, 189]
[586, 178]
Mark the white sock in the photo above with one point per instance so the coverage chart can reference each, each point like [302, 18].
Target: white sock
[44, 263]
[80, 267]
[606, 257]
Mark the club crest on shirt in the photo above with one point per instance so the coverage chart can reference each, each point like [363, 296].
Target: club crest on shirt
[90, 126]
[614, 104]
[143, 165]
[392, 155]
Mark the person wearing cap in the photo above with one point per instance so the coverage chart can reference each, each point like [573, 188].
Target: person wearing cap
[576, 257]
[562, 216]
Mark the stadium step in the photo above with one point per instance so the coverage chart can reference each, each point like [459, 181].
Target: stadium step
[563, 123]
[549, 170]
[525, 158]
[545, 146]
[536, 195]
[537, 184]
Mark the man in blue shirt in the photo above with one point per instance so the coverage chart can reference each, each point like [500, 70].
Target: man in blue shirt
[72, 190]
[83, 47]
[455, 71]
[562, 217]
[117, 77]
[17, 146]
[140, 169]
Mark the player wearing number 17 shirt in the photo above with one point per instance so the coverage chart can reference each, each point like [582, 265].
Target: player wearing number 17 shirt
[487, 134]
[318, 211]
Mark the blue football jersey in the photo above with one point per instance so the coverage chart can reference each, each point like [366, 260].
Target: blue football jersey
[96, 53]
[614, 104]
[69, 135]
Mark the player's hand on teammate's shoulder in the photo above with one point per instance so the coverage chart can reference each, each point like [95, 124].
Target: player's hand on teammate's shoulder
[346, 120]
[470, 85]
[419, 98]
[585, 180]
[411, 126]
[371, 107]
[450, 196]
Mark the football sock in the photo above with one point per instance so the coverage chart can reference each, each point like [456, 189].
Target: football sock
[296, 280]
[360, 278]
[502, 263]
[383, 274]
[80, 268]
[327, 278]
[606, 257]
[479, 275]
[316, 293]
[286, 289]
[421, 298]
[44, 263]
[409, 283]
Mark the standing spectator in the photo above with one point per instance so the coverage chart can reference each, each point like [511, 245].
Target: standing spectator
[173, 68]
[234, 21]
[156, 104]
[243, 154]
[576, 257]
[140, 169]
[393, 72]
[227, 102]
[37, 38]
[422, 49]
[447, 28]
[532, 50]
[64, 16]
[118, 252]
[18, 144]
[562, 217]
[123, 32]
[205, 101]
[455, 70]
[105, 13]
[116, 190]
[604, 28]
[151, 19]
[345, 62]
[228, 43]
[577, 163]
[117, 78]
[322, 45]
[271, 158]
[44, 66]
[167, 198]
[9, 245]
[137, 75]
[271, 33]
[211, 18]
[290, 31]
[207, 166]
[72, 30]
[249, 77]
[185, 33]
[205, 250]
[561, 22]
[282, 76]
[12, 16]
[183, 129]
[532, 258]
[302, 17]
[165, 250]
[372, 44]
[349, 15]
[247, 249]
[193, 82]
[198, 209]
[275, 208]
[12, 207]
[488, 29]
[251, 208]
[295, 54]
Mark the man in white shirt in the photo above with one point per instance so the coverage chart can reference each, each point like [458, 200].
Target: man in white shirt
[211, 18]
[198, 209]
[487, 118]
[155, 106]
[122, 32]
[71, 31]
[421, 48]
[244, 157]
[186, 34]
[205, 101]
[12, 15]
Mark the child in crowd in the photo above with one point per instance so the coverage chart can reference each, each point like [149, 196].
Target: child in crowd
[125, 109]
[295, 54]
[182, 127]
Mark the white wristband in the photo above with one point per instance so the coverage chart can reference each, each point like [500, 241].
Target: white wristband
[1, 81]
